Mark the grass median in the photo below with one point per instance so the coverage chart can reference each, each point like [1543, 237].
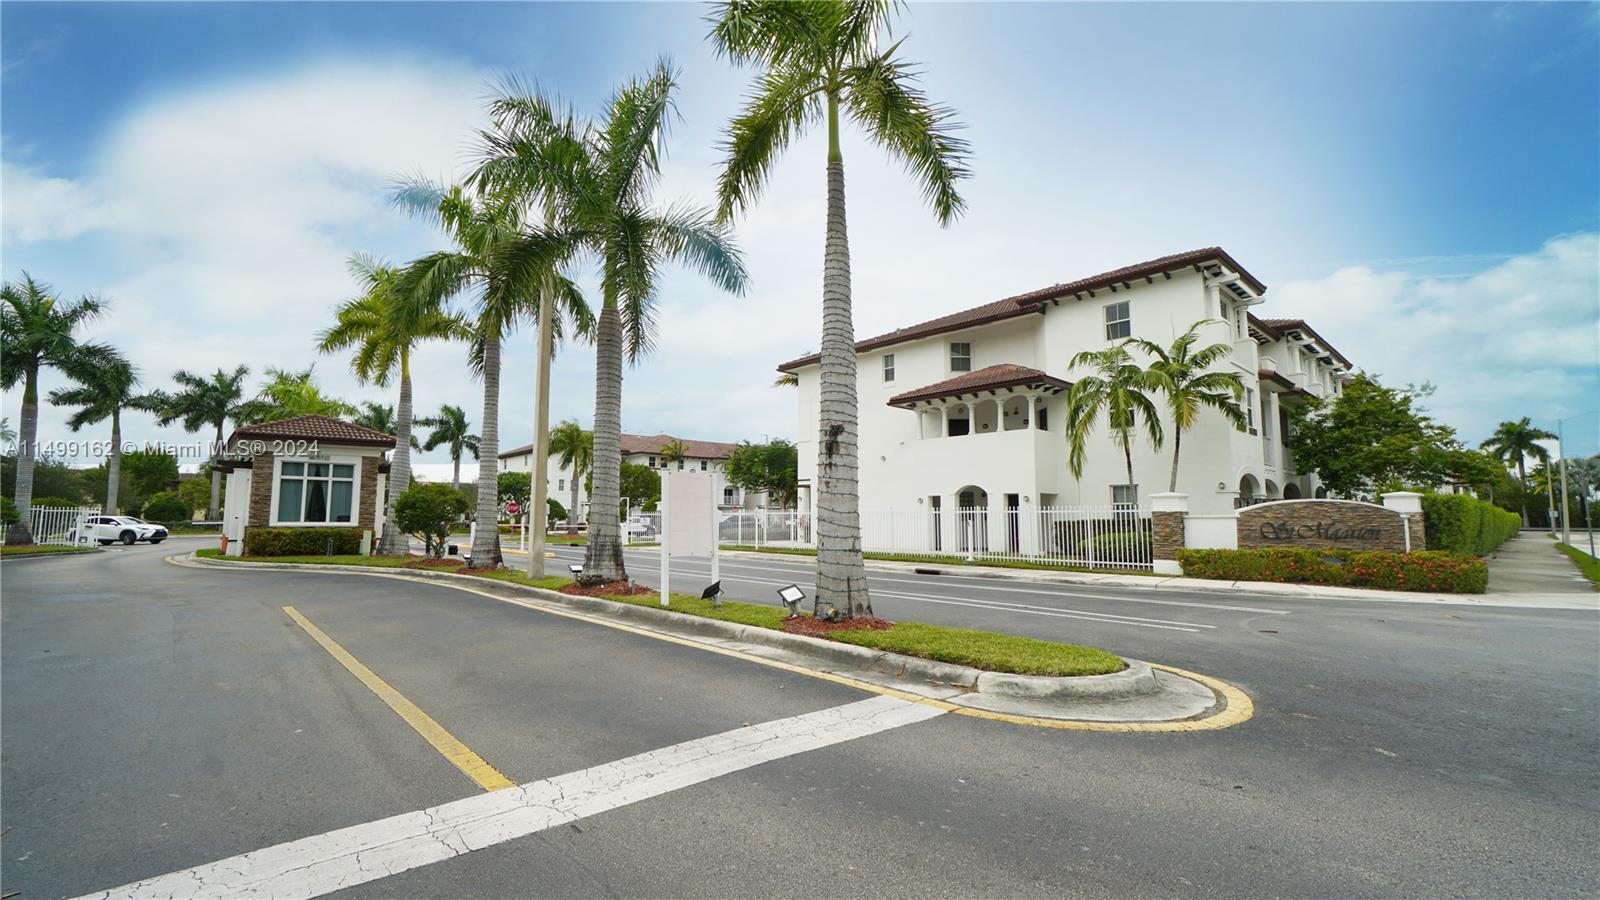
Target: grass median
[1588, 565]
[40, 549]
[987, 650]
[950, 561]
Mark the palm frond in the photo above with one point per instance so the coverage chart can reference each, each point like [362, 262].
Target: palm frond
[884, 100]
[785, 101]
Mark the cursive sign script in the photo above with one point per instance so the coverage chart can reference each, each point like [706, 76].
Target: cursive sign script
[1327, 531]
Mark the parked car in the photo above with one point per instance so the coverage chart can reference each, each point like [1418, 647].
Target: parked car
[127, 529]
[640, 528]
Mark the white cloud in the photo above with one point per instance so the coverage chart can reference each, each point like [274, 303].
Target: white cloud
[1521, 338]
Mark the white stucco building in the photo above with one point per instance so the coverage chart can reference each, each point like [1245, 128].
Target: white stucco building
[968, 410]
[646, 450]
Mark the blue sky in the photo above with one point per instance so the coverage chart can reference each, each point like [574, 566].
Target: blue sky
[1421, 181]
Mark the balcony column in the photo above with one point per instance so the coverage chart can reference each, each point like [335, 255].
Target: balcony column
[944, 420]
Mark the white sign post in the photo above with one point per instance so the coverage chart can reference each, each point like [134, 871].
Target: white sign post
[688, 522]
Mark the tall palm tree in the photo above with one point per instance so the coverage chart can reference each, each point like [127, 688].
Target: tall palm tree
[451, 430]
[481, 226]
[286, 394]
[1512, 443]
[384, 326]
[575, 449]
[818, 60]
[672, 451]
[1184, 377]
[1117, 389]
[207, 400]
[37, 329]
[106, 385]
[599, 180]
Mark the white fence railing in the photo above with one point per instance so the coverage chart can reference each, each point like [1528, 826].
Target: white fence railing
[62, 524]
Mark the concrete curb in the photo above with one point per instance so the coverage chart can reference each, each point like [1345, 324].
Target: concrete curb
[1045, 696]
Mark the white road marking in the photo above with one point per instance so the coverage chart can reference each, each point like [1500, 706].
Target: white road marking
[323, 863]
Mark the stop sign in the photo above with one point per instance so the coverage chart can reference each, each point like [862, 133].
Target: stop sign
[511, 507]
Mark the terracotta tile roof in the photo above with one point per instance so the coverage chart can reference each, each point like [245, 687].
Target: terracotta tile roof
[991, 378]
[1284, 325]
[653, 443]
[314, 428]
[1033, 301]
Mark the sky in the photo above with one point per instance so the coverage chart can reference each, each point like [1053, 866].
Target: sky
[1421, 182]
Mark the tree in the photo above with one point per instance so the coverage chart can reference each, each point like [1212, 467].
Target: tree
[194, 493]
[37, 330]
[106, 385]
[818, 59]
[1372, 438]
[554, 511]
[384, 326]
[288, 394]
[599, 180]
[429, 511]
[55, 478]
[1119, 390]
[640, 485]
[207, 400]
[149, 471]
[452, 430]
[575, 449]
[8, 435]
[771, 467]
[380, 417]
[1184, 378]
[514, 486]
[166, 506]
[1512, 443]
[673, 451]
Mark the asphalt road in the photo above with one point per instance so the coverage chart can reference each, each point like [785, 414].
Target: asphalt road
[157, 718]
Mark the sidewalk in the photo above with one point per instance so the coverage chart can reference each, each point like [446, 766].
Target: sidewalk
[1530, 564]
[1536, 597]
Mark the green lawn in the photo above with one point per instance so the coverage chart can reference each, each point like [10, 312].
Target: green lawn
[949, 560]
[1588, 565]
[40, 549]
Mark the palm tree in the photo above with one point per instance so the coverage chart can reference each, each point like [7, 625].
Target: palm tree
[207, 400]
[575, 448]
[672, 451]
[451, 429]
[786, 379]
[1118, 390]
[106, 384]
[598, 181]
[7, 433]
[384, 326]
[1512, 443]
[287, 394]
[1183, 376]
[819, 59]
[37, 329]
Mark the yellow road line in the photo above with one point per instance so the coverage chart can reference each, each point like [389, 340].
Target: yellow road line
[460, 755]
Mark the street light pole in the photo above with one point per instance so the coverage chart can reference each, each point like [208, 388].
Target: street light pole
[1561, 448]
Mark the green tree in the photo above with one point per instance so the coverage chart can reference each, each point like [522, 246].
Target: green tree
[1119, 390]
[8, 435]
[166, 506]
[381, 417]
[384, 326]
[598, 180]
[207, 400]
[149, 471]
[106, 384]
[771, 467]
[37, 330]
[641, 485]
[451, 429]
[288, 394]
[1513, 443]
[429, 511]
[574, 447]
[516, 486]
[673, 451]
[194, 492]
[1372, 438]
[1185, 379]
[818, 60]
[54, 478]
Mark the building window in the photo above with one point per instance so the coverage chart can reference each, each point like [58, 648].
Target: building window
[652, 463]
[680, 465]
[315, 491]
[1118, 323]
[1124, 496]
[888, 367]
[702, 465]
[961, 357]
[727, 496]
[1044, 418]
[1250, 410]
[561, 484]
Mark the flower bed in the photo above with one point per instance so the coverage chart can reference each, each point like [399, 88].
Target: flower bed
[1421, 571]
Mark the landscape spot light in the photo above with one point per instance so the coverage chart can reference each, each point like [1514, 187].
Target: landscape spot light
[792, 597]
[713, 592]
[575, 568]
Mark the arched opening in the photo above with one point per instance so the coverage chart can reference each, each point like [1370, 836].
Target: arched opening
[985, 417]
[960, 420]
[1272, 490]
[1291, 491]
[1322, 493]
[1249, 490]
[1014, 414]
[972, 519]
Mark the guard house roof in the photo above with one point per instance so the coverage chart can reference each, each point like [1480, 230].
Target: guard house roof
[314, 428]
[991, 379]
[1206, 260]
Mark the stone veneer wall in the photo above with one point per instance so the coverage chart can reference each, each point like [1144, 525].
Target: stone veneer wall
[1167, 536]
[260, 491]
[367, 496]
[1316, 524]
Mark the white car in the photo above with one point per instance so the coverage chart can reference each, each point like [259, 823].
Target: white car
[127, 529]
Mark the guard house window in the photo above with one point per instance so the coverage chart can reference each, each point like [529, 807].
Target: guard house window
[960, 357]
[1118, 323]
[1124, 496]
[315, 491]
[888, 367]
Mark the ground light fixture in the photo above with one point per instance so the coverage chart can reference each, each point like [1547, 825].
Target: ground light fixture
[791, 597]
[713, 592]
[575, 568]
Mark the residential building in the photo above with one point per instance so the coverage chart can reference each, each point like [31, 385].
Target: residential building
[967, 411]
[648, 451]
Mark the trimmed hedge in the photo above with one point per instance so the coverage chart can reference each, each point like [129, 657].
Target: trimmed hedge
[1426, 570]
[1457, 523]
[262, 541]
[1126, 546]
[166, 506]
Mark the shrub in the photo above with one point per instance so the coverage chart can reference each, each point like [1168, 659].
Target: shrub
[56, 502]
[1127, 546]
[167, 506]
[1426, 570]
[429, 511]
[8, 511]
[557, 513]
[1457, 523]
[262, 541]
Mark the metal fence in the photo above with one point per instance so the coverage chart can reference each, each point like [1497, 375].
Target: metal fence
[63, 525]
[766, 528]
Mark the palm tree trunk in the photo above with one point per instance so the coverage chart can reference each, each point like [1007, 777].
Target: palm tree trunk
[455, 477]
[114, 466]
[216, 477]
[572, 511]
[1522, 479]
[486, 540]
[1177, 443]
[538, 516]
[841, 573]
[394, 542]
[1127, 458]
[602, 561]
[20, 531]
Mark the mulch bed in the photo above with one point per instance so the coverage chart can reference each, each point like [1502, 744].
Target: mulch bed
[817, 628]
[608, 589]
[450, 565]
